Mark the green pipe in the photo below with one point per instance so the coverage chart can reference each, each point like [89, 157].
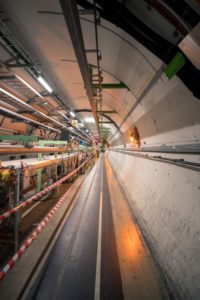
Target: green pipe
[19, 138]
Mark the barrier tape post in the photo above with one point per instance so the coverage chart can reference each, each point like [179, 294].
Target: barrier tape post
[31, 238]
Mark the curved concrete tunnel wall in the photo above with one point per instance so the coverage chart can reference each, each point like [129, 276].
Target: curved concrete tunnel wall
[167, 115]
[165, 198]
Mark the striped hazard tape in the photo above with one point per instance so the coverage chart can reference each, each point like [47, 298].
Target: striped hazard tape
[40, 194]
[31, 238]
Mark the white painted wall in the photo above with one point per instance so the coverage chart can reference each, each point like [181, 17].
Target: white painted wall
[166, 202]
[166, 198]
[168, 115]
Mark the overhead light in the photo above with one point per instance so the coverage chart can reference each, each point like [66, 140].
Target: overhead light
[89, 120]
[72, 114]
[43, 82]
[87, 130]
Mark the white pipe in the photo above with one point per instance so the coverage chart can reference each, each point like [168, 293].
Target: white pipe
[28, 85]
[27, 119]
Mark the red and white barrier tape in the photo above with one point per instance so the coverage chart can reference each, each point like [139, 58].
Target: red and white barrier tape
[40, 194]
[31, 238]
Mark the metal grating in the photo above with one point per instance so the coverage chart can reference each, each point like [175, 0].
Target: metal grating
[22, 106]
[16, 84]
[10, 114]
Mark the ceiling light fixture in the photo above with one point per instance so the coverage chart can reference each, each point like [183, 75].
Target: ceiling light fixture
[89, 120]
[72, 114]
[43, 82]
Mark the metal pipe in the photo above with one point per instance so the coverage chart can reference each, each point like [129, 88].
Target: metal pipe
[42, 164]
[11, 114]
[177, 162]
[34, 110]
[99, 85]
[40, 194]
[171, 17]
[39, 175]
[16, 203]
[72, 20]
[31, 150]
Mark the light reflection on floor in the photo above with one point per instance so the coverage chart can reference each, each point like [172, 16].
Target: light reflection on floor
[139, 275]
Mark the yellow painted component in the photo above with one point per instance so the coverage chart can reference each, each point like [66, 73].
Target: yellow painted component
[74, 123]
[4, 174]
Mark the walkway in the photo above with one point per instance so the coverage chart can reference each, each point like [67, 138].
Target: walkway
[100, 253]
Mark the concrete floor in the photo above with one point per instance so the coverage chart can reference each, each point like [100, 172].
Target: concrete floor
[99, 253]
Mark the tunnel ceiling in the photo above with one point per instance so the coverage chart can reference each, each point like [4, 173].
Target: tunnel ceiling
[135, 38]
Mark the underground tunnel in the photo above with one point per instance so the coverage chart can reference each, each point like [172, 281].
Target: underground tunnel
[100, 149]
